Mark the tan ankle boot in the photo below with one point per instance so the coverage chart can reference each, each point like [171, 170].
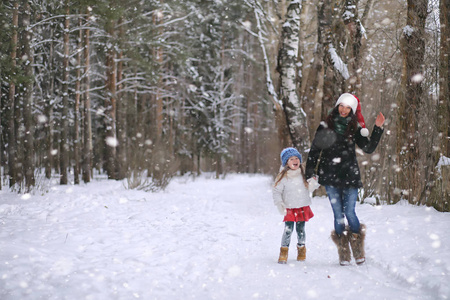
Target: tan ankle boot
[301, 253]
[283, 255]
[342, 244]
[357, 244]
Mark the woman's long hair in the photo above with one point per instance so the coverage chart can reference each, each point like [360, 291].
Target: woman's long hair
[284, 172]
[352, 125]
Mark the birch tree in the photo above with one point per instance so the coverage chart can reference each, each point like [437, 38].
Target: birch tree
[287, 67]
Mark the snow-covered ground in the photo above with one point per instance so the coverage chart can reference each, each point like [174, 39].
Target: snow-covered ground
[207, 239]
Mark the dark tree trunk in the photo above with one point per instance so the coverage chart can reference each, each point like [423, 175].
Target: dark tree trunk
[87, 123]
[64, 144]
[10, 112]
[28, 134]
[122, 164]
[76, 115]
[413, 49]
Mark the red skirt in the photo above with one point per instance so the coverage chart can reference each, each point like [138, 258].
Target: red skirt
[298, 214]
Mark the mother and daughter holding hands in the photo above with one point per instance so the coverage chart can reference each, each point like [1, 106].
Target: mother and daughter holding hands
[331, 163]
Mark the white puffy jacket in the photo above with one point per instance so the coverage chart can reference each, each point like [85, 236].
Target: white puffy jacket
[291, 192]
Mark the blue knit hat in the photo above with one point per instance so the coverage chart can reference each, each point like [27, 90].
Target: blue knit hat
[288, 153]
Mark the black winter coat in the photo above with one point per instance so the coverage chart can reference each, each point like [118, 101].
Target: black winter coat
[338, 166]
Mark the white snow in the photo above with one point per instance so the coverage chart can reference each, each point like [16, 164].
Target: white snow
[443, 161]
[207, 239]
[339, 65]
[408, 30]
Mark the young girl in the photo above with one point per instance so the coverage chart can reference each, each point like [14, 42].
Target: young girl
[291, 196]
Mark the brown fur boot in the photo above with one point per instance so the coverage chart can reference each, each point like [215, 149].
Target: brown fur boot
[341, 242]
[283, 255]
[301, 253]
[357, 244]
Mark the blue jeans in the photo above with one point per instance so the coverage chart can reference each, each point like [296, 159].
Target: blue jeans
[343, 202]
[287, 233]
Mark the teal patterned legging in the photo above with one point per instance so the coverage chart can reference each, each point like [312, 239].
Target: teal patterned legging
[287, 233]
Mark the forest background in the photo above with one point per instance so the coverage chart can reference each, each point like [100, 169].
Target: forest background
[144, 90]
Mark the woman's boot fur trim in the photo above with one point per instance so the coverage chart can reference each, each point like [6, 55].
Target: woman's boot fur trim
[357, 244]
[283, 255]
[342, 244]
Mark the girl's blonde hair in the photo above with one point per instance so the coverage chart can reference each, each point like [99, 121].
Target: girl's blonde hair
[284, 171]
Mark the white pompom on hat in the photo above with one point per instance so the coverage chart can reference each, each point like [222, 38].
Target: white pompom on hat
[355, 104]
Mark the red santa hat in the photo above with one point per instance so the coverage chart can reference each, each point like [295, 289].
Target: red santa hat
[355, 104]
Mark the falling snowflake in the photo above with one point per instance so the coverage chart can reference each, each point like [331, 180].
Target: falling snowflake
[112, 141]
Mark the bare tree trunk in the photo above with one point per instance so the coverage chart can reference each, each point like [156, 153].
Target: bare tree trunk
[280, 117]
[1, 140]
[158, 153]
[110, 114]
[122, 165]
[333, 76]
[87, 124]
[12, 157]
[287, 67]
[64, 144]
[48, 109]
[76, 115]
[312, 96]
[444, 93]
[437, 190]
[28, 162]
[354, 28]
[413, 48]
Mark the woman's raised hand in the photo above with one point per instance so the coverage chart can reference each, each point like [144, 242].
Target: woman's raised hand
[380, 120]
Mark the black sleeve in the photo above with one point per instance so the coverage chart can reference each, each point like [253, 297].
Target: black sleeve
[313, 154]
[311, 162]
[368, 145]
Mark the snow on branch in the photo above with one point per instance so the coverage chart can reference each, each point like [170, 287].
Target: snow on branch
[443, 161]
[408, 30]
[338, 64]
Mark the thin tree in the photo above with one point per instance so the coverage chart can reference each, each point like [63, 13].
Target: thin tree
[110, 103]
[64, 143]
[87, 122]
[27, 98]
[10, 112]
[121, 110]
[76, 114]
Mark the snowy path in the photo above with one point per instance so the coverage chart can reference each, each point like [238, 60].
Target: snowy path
[207, 239]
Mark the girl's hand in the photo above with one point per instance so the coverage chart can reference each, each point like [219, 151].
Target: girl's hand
[313, 184]
[281, 209]
[380, 120]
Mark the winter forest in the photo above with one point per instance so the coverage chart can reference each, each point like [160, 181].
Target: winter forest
[145, 90]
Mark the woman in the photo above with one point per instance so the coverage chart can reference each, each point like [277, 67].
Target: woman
[332, 159]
